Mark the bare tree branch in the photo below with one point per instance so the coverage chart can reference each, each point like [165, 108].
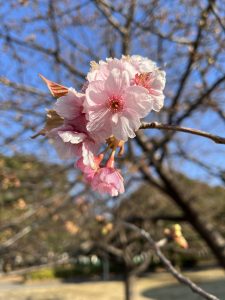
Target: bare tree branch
[48, 51]
[192, 56]
[108, 15]
[21, 87]
[155, 125]
[215, 12]
[181, 278]
[200, 99]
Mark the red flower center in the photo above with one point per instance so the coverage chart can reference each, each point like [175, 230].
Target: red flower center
[115, 103]
[143, 79]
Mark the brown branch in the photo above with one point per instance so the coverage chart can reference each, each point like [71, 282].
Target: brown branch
[37, 267]
[191, 60]
[48, 51]
[54, 29]
[164, 217]
[110, 249]
[194, 105]
[16, 237]
[126, 38]
[215, 13]
[194, 287]
[26, 230]
[20, 87]
[101, 6]
[167, 37]
[155, 125]
[192, 108]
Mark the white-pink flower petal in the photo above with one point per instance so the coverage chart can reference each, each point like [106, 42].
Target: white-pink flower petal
[108, 181]
[137, 98]
[72, 136]
[70, 105]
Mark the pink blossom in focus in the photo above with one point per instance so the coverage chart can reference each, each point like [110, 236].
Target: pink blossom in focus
[101, 70]
[117, 95]
[65, 150]
[87, 170]
[147, 74]
[154, 82]
[140, 64]
[70, 106]
[114, 107]
[72, 138]
[108, 181]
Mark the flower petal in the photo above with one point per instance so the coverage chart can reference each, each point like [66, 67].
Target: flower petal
[137, 98]
[64, 150]
[95, 94]
[126, 126]
[117, 82]
[72, 137]
[98, 120]
[71, 105]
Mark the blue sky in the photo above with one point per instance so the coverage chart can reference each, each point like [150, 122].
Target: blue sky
[89, 37]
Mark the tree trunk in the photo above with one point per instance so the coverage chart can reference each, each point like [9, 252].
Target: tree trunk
[128, 285]
[105, 267]
[213, 238]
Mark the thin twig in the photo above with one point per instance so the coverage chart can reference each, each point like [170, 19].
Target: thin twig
[195, 288]
[37, 267]
[155, 125]
[216, 14]
[48, 51]
[102, 7]
[191, 60]
[22, 88]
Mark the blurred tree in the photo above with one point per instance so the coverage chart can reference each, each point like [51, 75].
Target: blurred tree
[29, 201]
[55, 38]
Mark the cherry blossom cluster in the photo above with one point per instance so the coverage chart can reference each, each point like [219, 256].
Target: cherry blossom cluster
[118, 94]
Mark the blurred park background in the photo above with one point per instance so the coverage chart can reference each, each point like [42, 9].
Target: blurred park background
[53, 228]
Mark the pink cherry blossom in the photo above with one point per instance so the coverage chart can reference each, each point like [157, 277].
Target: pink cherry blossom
[147, 74]
[140, 64]
[88, 171]
[72, 138]
[64, 150]
[101, 70]
[70, 106]
[114, 107]
[108, 180]
[154, 82]
[71, 141]
[118, 93]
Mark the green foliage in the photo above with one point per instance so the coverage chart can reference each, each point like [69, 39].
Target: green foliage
[29, 186]
[65, 272]
[47, 273]
[72, 271]
[25, 177]
[27, 183]
[153, 207]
